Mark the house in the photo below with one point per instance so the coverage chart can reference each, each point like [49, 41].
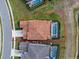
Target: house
[35, 29]
[37, 51]
[34, 3]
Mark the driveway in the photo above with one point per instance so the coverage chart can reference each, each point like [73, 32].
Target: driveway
[69, 28]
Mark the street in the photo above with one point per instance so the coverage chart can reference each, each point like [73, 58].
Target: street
[70, 30]
[7, 30]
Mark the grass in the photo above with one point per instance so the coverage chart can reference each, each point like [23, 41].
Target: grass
[62, 49]
[17, 58]
[41, 13]
[1, 38]
[55, 1]
[21, 11]
[17, 44]
[75, 28]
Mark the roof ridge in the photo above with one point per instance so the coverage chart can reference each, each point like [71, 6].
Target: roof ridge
[38, 32]
[35, 30]
[41, 34]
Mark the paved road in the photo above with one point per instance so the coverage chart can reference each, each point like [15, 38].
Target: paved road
[6, 26]
[69, 31]
[69, 38]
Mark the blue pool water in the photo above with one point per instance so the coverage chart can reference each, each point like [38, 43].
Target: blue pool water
[53, 53]
[36, 2]
[54, 29]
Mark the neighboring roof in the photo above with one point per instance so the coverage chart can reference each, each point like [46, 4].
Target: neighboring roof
[37, 51]
[36, 29]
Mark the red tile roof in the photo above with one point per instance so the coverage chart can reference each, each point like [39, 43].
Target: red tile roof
[36, 29]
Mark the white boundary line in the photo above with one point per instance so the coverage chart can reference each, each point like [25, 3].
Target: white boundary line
[12, 17]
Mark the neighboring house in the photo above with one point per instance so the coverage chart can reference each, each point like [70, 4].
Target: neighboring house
[39, 51]
[35, 29]
[34, 3]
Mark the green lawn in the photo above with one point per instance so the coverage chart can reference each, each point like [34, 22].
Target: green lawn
[55, 1]
[75, 10]
[16, 58]
[17, 45]
[1, 38]
[62, 50]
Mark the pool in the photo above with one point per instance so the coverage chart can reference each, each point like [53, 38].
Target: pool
[53, 52]
[54, 29]
[33, 3]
